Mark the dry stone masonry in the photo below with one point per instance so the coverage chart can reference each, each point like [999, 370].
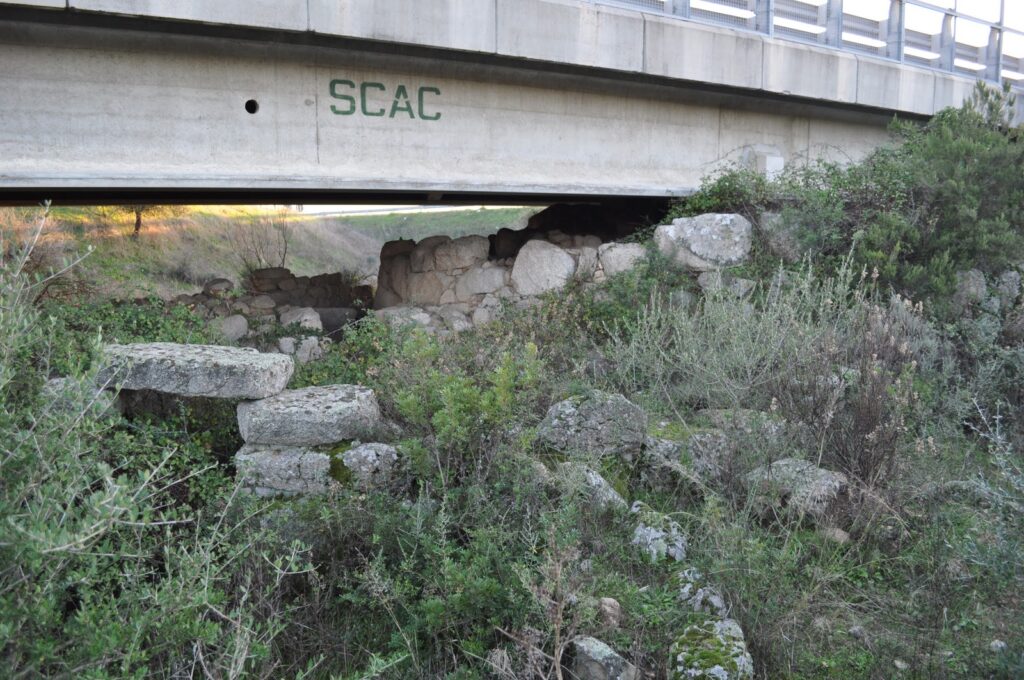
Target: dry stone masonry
[449, 285]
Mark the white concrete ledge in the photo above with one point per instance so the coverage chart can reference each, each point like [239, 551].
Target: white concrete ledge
[808, 71]
[451, 24]
[280, 14]
[690, 51]
[569, 32]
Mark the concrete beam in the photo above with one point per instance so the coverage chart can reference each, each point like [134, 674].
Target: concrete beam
[690, 51]
[806, 71]
[279, 14]
[894, 86]
[448, 24]
[113, 108]
[570, 32]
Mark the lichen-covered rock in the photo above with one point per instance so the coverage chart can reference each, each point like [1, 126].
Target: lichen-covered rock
[305, 317]
[657, 535]
[616, 258]
[371, 465]
[195, 370]
[541, 267]
[798, 488]
[311, 416]
[698, 595]
[597, 423]
[594, 660]
[281, 470]
[602, 495]
[715, 649]
[706, 242]
[233, 327]
[663, 469]
[609, 611]
[710, 453]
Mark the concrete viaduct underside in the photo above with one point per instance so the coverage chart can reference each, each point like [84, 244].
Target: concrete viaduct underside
[98, 107]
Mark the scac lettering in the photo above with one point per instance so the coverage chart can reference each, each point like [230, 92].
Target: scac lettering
[369, 99]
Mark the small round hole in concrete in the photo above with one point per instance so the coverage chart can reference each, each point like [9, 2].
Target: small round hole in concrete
[252, 106]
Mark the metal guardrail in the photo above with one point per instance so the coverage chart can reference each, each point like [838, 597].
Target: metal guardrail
[982, 39]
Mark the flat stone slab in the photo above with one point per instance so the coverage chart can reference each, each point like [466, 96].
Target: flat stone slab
[282, 471]
[311, 416]
[196, 370]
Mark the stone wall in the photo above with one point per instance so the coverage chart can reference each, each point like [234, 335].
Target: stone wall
[455, 283]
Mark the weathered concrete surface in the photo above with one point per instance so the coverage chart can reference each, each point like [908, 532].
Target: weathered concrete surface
[195, 370]
[311, 416]
[555, 108]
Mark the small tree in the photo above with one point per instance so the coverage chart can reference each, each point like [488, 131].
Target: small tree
[140, 210]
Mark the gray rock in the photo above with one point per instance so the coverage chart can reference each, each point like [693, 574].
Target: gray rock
[602, 495]
[311, 416]
[262, 303]
[217, 287]
[798, 488]
[196, 370]
[698, 595]
[308, 349]
[594, 660]
[405, 315]
[541, 267]
[306, 317]
[286, 345]
[616, 258]
[657, 535]
[233, 328]
[586, 262]
[372, 465]
[421, 259]
[609, 611]
[480, 281]
[392, 281]
[1008, 288]
[706, 242]
[598, 423]
[287, 471]
[997, 646]
[461, 252]
[715, 649]
[426, 288]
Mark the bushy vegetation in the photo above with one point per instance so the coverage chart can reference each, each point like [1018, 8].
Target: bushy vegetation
[127, 551]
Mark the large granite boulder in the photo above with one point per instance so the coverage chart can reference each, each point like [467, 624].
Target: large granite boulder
[594, 660]
[598, 423]
[541, 267]
[196, 370]
[706, 242]
[282, 470]
[616, 258]
[311, 416]
[461, 253]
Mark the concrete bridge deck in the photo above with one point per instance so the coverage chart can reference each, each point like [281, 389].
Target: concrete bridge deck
[497, 100]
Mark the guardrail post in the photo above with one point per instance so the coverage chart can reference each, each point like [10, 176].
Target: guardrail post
[680, 8]
[947, 43]
[834, 23]
[994, 55]
[896, 30]
[764, 10]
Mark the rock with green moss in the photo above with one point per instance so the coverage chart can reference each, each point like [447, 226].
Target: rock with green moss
[597, 423]
[311, 416]
[594, 660]
[657, 535]
[700, 596]
[713, 648]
